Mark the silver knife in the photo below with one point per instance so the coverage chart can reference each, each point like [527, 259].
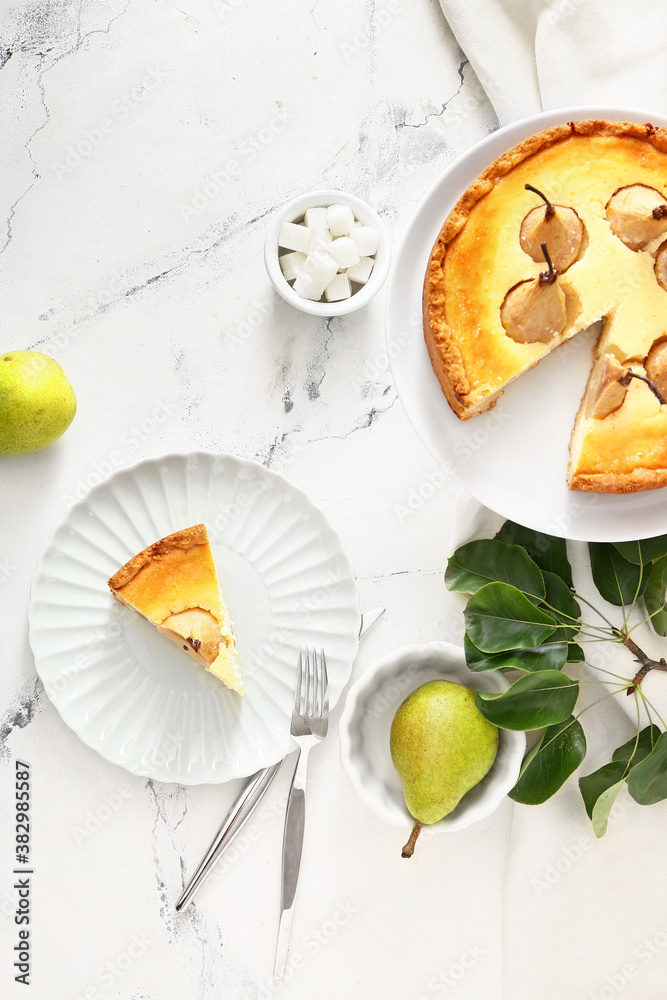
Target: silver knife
[252, 793]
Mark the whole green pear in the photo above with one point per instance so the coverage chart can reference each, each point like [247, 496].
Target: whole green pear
[442, 746]
[37, 403]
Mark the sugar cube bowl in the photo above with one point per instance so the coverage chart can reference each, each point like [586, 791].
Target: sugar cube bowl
[327, 253]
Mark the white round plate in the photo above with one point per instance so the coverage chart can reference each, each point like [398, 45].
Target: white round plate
[133, 695]
[514, 458]
[370, 706]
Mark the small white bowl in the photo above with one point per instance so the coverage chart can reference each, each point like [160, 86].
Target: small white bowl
[294, 212]
[366, 720]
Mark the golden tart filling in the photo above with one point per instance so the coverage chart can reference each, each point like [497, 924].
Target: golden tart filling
[174, 585]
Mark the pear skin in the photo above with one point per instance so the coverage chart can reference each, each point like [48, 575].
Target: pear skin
[637, 214]
[563, 233]
[606, 393]
[660, 266]
[656, 366]
[441, 746]
[37, 403]
[534, 312]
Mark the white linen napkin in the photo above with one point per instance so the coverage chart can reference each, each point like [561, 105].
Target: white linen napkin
[584, 918]
[536, 55]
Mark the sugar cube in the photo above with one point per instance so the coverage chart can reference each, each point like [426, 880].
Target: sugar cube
[344, 251]
[320, 266]
[316, 218]
[366, 238]
[319, 238]
[291, 264]
[340, 219]
[338, 288]
[307, 288]
[294, 237]
[361, 271]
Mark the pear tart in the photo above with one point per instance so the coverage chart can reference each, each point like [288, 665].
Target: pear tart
[567, 228]
[173, 584]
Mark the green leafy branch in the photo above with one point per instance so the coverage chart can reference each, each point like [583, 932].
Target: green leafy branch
[524, 614]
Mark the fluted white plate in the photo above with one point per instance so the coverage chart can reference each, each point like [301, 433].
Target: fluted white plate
[133, 695]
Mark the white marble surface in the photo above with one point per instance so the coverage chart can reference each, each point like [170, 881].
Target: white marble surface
[125, 258]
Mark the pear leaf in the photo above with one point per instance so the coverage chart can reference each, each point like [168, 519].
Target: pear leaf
[654, 595]
[487, 561]
[603, 807]
[556, 755]
[548, 552]
[647, 782]
[645, 551]
[620, 582]
[499, 617]
[638, 747]
[552, 656]
[540, 699]
[561, 604]
[592, 786]
[575, 654]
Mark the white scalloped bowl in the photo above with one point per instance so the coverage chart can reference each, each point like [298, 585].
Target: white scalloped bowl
[370, 707]
[294, 212]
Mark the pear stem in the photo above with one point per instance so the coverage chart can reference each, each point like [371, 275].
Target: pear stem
[625, 382]
[551, 211]
[409, 848]
[547, 277]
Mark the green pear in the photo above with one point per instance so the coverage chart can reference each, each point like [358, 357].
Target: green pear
[37, 403]
[442, 746]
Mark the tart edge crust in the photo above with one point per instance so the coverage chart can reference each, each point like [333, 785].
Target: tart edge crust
[186, 538]
[445, 356]
[619, 482]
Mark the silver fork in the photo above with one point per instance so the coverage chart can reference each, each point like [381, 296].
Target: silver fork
[310, 721]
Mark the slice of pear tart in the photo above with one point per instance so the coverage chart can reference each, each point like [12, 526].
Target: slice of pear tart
[173, 584]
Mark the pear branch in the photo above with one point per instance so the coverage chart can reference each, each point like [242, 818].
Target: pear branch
[647, 663]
